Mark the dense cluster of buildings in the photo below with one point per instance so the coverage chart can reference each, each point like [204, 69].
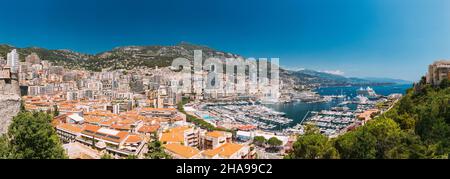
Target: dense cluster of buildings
[116, 112]
[186, 142]
[9, 71]
[128, 134]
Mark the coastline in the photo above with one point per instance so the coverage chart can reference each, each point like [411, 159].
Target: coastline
[297, 110]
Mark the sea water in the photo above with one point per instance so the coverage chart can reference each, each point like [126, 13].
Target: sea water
[299, 110]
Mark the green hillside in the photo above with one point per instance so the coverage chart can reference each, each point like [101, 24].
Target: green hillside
[418, 126]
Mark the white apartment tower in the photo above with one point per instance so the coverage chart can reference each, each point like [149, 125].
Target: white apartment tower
[13, 61]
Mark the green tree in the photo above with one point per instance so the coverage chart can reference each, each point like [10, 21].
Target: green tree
[417, 127]
[387, 134]
[274, 142]
[259, 140]
[106, 156]
[32, 137]
[156, 149]
[410, 147]
[406, 121]
[132, 157]
[357, 144]
[311, 129]
[381, 139]
[55, 110]
[406, 105]
[198, 122]
[313, 146]
[4, 147]
[22, 106]
[433, 123]
[445, 83]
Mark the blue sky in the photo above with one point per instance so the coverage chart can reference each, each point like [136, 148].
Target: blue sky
[376, 38]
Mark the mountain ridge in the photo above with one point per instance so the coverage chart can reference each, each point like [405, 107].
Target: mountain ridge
[135, 56]
[339, 80]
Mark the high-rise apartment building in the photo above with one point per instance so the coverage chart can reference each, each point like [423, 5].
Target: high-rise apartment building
[13, 61]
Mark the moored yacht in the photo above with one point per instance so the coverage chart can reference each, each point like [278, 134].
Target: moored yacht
[367, 92]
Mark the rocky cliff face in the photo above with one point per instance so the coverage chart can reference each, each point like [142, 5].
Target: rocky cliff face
[9, 103]
[9, 107]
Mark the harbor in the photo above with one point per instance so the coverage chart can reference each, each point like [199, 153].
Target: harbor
[240, 113]
[332, 113]
[349, 108]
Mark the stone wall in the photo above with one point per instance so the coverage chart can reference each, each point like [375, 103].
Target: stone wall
[9, 103]
[9, 107]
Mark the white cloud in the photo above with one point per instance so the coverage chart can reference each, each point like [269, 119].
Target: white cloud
[334, 72]
[293, 68]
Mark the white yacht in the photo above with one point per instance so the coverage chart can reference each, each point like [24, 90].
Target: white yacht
[367, 92]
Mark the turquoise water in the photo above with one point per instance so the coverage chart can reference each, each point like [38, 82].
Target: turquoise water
[207, 117]
[351, 90]
[298, 110]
